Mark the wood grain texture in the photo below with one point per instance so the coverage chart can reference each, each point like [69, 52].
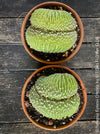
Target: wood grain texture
[10, 95]
[15, 57]
[15, 8]
[11, 110]
[16, 66]
[10, 29]
[12, 82]
[86, 127]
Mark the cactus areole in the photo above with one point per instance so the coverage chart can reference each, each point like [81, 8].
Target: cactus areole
[55, 96]
[51, 31]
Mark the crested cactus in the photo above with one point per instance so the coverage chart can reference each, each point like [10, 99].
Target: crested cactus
[55, 96]
[57, 86]
[51, 31]
[49, 41]
[55, 20]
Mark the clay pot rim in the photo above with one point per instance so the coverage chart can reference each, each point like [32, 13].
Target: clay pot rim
[66, 125]
[79, 24]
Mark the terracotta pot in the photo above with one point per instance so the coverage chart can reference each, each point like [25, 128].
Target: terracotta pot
[82, 105]
[48, 4]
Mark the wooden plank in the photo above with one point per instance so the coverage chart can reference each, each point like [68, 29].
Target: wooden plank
[10, 95]
[10, 29]
[15, 8]
[86, 127]
[11, 110]
[12, 82]
[85, 58]
[15, 57]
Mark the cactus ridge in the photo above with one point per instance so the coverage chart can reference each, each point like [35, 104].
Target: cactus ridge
[57, 86]
[51, 31]
[59, 107]
[49, 41]
[56, 20]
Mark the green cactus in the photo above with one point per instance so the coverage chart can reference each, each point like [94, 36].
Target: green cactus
[51, 31]
[55, 107]
[50, 42]
[55, 20]
[57, 86]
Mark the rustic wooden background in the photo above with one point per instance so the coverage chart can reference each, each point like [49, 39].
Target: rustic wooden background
[16, 65]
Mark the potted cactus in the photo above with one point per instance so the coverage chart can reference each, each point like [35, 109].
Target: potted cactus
[52, 32]
[54, 97]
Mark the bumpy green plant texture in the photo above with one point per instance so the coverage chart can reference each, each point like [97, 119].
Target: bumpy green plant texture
[55, 20]
[62, 25]
[59, 105]
[50, 42]
[57, 86]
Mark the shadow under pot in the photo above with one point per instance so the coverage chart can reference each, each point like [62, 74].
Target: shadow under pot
[54, 97]
[52, 32]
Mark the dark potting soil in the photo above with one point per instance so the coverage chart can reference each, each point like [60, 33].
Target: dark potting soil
[54, 56]
[35, 115]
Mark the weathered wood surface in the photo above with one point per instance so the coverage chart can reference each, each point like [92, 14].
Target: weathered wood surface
[86, 127]
[10, 95]
[11, 83]
[11, 109]
[16, 66]
[10, 29]
[86, 8]
[15, 57]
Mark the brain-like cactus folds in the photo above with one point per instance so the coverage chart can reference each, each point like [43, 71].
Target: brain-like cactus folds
[49, 41]
[59, 105]
[57, 86]
[51, 31]
[55, 20]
